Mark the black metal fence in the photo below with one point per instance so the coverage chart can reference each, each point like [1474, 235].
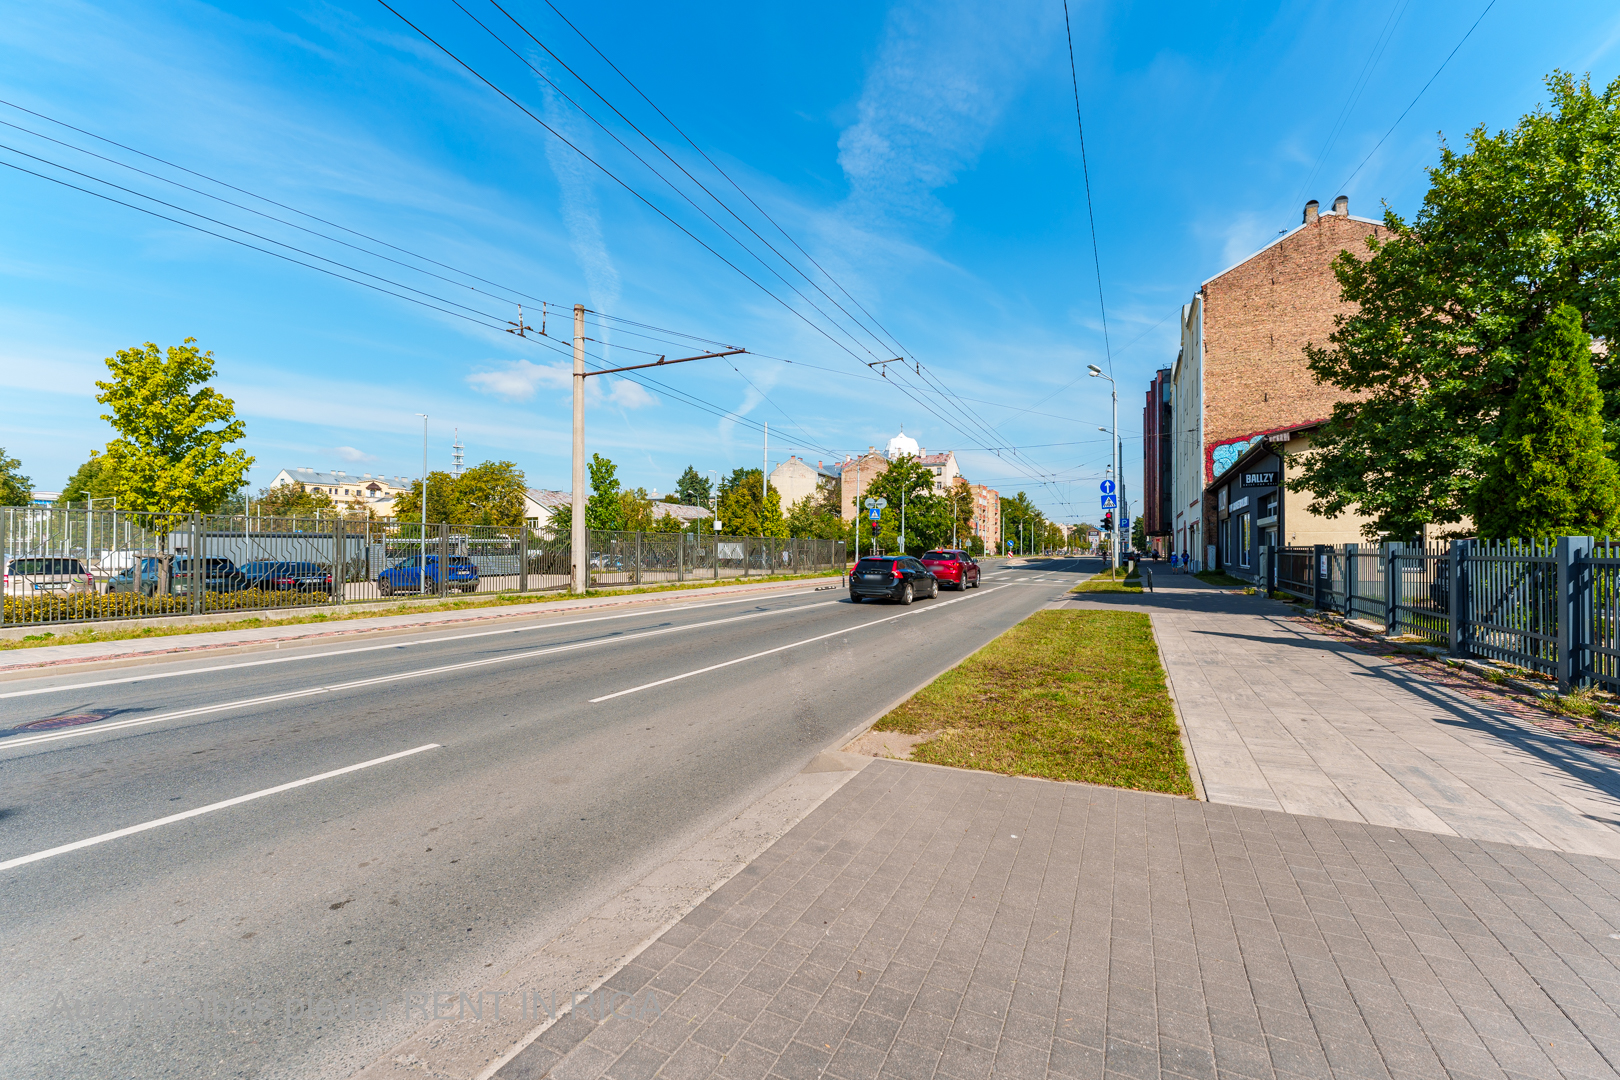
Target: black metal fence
[64, 566]
[1551, 607]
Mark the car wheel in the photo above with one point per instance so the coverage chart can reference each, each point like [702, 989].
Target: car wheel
[854, 599]
[907, 594]
[386, 588]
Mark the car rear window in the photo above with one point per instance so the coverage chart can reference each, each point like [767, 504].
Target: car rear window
[46, 566]
[939, 556]
[882, 564]
[460, 560]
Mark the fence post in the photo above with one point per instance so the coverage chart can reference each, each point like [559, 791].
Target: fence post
[339, 574]
[523, 559]
[638, 556]
[680, 556]
[1352, 576]
[197, 578]
[1392, 588]
[444, 559]
[1458, 610]
[1573, 611]
[1321, 577]
[5, 561]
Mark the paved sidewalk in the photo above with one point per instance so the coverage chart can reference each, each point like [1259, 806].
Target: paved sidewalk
[929, 922]
[130, 648]
[1280, 718]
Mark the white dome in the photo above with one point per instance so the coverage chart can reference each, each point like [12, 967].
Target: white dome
[902, 444]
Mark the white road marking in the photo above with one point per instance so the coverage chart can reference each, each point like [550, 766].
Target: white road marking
[210, 808]
[796, 644]
[373, 648]
[268, 699]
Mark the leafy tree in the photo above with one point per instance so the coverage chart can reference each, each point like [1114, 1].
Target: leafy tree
[442, 503]
[292, 500]
[173, 430]
[602, 509]
[692, 489]
[745, 511]
[636, 511]
[1450, 305]
[1549, 475]
[92, 480]
[15, 488]
[810, 518]
[491, 493]
[1139, 534]
[1015, 512]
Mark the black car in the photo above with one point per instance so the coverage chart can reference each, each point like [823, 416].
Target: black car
[289, 576]
[891, 577]
[219, 575]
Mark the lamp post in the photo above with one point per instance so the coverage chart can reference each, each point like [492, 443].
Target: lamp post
[1113, 390]
[421, 563]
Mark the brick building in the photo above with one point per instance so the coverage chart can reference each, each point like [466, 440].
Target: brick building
[1241, 374]
[986, 515]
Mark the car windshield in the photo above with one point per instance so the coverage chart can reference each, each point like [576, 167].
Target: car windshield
[46, 566]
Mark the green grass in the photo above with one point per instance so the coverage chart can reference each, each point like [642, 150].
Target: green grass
[83, 633]
[1124, 580]
[1064, 695]
[1222, 578]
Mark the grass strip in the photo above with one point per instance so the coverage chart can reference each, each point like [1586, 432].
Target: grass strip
[1064, 695]
[1223, 579]
[86, 633]
[1126, 579]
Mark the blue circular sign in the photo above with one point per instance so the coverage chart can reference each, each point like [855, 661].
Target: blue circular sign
[1107, 487]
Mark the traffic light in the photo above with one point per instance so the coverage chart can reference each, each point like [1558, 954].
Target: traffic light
[1108, 522]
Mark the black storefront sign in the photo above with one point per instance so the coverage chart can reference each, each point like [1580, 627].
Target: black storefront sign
[1259, 479]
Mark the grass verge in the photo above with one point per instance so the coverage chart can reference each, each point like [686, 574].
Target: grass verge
[1223, 579]
[1064, 695]
[81, 634]
[1125, 579]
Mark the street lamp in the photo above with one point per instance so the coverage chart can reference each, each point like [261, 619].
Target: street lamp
[1113, 389]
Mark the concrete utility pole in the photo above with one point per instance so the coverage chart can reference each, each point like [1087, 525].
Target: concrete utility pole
[578, 539]
[764, 472]
[577, 543]
[422, 562]
[1113, 388]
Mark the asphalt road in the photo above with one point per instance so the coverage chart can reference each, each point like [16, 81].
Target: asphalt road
[514, 778]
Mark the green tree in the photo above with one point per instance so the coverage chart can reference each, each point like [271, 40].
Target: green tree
[92, 480]
[908, 485]
[1139, 534]
[1015, 512]
[1449, 305]
[636, 511]
[443, 505]
[811, 518]
[745, 511]
[602, 509]
[173, 430]
[692, 489]
[1549, 474]
[292, 500]
[15, 488]
[491, 493]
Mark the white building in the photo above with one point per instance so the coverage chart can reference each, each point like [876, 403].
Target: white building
[376, 492]
[794, 478]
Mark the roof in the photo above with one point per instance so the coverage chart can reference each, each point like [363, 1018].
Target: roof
[315, 476]
[681, 511]
[936, 459]
[544, 497]
[1265, 443]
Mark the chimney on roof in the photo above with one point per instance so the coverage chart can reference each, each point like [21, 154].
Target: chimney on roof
[1341, 206]
[1311, 209]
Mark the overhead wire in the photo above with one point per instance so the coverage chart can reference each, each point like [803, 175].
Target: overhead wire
[1085, 171]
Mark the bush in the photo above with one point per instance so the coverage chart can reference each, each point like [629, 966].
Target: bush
[72, 607]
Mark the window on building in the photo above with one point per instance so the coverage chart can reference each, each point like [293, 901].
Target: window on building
[1245, 540]
[1268, 506]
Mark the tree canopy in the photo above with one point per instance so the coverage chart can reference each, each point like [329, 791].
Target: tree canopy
[692, 488]
[490, 493]
[1548, 475]
[1450, 306]
[746, 509]
[15, 488]
[92, 480]
[173, 431]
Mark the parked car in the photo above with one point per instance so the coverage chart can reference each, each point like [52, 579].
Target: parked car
[953, 566]
[289, 576]
[459, 574]
[47, 577]
[891, 577]
[603, 561]
[142, 576]
[146, 576]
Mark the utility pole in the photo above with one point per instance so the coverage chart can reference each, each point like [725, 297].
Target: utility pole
[422, 562]
[1097, 373]
[577, 534]
[578, 539]
[764, 472]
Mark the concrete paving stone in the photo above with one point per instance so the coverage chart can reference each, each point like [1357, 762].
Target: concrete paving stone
[1194, 1061]
[911, 1061]
[793, 1003]
[964, 1061]
[1235, 1057]
[1128, 1059]
[1131, 1026]
[801, 1061]
[771, 1031]
[856, 1061]
[720, 1032]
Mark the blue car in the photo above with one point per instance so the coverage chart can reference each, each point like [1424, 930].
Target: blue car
[460, 575]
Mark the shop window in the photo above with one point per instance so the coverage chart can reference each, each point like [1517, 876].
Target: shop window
[1245, 540]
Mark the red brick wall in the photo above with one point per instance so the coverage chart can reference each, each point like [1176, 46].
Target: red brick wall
[1258, 317]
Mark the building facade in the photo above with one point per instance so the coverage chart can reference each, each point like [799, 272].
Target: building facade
[1241, 373]
[986, 515]
[374, 492]
[857, 473]
[1157, 424]
[795, 478]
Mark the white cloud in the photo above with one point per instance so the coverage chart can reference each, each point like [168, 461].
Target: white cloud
[350, 454]
[520, 380]
[942, 78]
[579, 209]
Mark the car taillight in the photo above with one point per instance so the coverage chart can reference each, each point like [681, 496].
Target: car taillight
[896, 572]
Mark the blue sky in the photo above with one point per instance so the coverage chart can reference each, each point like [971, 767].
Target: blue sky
[924, 154]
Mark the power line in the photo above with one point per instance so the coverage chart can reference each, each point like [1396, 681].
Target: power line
[1085, 170]
[1419, 94]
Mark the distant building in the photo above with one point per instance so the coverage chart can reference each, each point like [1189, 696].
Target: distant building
[43, 498]
[943, 466]
[1157, 425]
[374, 492]
[795, 478]
[538, 503]
[1242, 374]
[857, 473]
[685, 514]
[986, 515]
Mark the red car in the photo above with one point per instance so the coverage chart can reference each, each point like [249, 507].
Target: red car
[952, 567]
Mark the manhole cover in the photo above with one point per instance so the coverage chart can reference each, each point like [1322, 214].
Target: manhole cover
[72, 720]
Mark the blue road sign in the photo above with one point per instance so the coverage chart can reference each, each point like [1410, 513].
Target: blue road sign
[1107, 487]
[1110, 502]
[874, 513]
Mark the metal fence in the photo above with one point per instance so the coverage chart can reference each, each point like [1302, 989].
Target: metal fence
[1550, 607]
[64, 566]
